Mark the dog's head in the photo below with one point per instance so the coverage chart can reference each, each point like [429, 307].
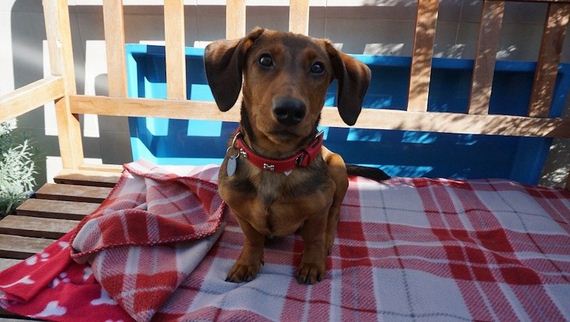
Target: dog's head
[285, 78]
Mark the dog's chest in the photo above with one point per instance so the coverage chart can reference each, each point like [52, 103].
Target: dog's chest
[288, 203]
[276, 204]
[273, 189]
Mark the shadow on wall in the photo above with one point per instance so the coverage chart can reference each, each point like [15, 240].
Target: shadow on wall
[559, 164]
[101, 82]
[28, 32]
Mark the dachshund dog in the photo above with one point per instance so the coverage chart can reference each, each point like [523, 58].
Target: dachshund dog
[277, 177]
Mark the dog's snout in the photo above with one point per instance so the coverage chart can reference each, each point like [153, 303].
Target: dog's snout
[289, 111]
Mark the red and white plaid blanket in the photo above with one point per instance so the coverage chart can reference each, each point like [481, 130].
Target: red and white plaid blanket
[406, 249]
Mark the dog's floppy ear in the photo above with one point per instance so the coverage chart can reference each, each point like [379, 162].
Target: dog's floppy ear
[353, 79]
[223, 61]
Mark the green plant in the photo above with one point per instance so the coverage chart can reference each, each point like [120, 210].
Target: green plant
[17, 168]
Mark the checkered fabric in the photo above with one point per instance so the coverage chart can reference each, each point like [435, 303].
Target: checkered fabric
[407, 249]
[138, 240]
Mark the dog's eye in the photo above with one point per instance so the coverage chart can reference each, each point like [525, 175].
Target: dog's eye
[317, 68]
[265, 60]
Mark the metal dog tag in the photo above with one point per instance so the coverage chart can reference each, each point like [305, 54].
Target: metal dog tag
[231, 166]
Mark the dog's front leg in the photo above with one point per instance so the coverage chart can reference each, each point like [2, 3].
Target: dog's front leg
[312, 267]
[251, 258]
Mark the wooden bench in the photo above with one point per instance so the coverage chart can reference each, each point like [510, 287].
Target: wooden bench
[80, 188]
[54, 210]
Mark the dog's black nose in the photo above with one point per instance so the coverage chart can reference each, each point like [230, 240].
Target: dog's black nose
[289, 111]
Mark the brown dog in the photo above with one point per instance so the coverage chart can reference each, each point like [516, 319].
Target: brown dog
[276, 176]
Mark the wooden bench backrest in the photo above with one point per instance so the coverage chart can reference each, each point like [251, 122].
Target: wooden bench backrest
[61, 86]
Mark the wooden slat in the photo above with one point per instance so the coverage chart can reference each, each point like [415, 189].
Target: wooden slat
[175, 49]
[83, 180]
[72, 193]
[235, 19]
[29, 97]
[58, 32]
[7, 263]
[113, 20]
[549, 57]
[175, 109]
[57, 209]
[422, 53]
[106, 168]
[454, 123]
[88, 178]
[19, 247]
[36, 227]
[489, 36]
[369, 118]
[299, 16]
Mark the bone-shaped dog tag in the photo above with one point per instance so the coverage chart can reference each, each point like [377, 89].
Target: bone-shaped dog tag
[231, 166]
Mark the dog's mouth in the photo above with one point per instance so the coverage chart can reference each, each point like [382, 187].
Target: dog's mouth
[283, 135]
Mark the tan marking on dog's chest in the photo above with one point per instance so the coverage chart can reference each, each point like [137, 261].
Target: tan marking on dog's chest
[280, 204]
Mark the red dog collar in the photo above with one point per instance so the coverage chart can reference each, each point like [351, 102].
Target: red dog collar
[302, 159]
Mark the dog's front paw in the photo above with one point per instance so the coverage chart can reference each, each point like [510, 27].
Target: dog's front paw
[243, 272]
[310, 273]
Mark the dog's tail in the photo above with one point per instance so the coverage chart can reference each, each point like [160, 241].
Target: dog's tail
[367, 172]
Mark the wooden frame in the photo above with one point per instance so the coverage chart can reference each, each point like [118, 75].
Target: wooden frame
[61, 86]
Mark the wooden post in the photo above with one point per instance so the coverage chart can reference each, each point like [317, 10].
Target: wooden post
[175, 49]
[58, 32]
[299, 16]
[489, 36]
[235, 19]
[424, 37]
[548, 59]
[115, 43]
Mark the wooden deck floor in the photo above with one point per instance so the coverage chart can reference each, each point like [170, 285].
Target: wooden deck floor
[54, 210]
